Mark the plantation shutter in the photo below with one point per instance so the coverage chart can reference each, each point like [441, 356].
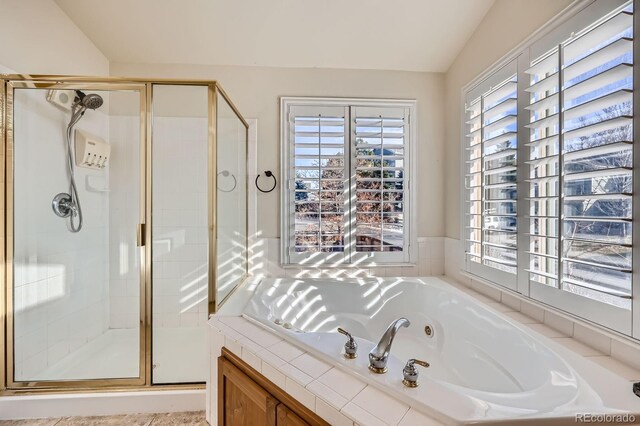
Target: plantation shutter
[380, 137]
[491, 177]
[318, 184]
[573, 115]
[346, 165]
[581, 164]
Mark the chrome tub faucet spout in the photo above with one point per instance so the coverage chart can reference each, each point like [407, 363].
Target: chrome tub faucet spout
[379, 355]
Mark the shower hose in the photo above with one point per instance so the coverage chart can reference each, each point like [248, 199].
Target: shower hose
[73, 191]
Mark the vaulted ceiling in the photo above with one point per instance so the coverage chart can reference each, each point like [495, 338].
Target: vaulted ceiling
[414, 35]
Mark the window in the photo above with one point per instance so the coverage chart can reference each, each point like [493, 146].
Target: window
[574, 165]
[347, 169]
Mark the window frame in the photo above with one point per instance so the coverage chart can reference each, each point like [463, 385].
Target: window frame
[351, 258]
[618, 320]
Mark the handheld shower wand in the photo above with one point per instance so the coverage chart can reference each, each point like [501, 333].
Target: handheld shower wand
[68, 205]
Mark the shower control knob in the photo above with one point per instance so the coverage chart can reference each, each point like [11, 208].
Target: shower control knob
[351, 347]
[410, 372]
[63, 205]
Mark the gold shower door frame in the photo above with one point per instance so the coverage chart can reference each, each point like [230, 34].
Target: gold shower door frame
[8, 83]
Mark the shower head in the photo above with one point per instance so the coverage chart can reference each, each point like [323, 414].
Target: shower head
[90, 101]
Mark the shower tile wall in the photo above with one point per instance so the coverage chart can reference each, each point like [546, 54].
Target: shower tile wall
[180, 222]
[124, 273]
[265, 261]
[61, 279]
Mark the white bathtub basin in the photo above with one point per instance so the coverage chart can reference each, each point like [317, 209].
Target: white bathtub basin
[484, 367]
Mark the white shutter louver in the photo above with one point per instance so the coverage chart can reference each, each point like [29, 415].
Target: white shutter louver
[581, 162]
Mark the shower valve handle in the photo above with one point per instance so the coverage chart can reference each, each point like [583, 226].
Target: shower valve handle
[72, 206]
[63, 205]
[351, 347]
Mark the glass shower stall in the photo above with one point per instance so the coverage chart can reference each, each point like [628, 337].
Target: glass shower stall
[125, 227]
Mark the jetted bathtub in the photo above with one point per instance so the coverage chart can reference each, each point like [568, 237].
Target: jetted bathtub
[484, 367]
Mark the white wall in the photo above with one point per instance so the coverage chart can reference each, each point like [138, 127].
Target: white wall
[256, 92]
[37, 37]
[507, 24]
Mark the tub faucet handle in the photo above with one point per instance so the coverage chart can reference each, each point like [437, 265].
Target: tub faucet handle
[410, 372]
[351, 347]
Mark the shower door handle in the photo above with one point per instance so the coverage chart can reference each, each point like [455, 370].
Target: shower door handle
[141, 235]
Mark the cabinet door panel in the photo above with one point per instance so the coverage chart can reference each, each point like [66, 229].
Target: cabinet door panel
[286, 417]
[246, 397]
[243, 402]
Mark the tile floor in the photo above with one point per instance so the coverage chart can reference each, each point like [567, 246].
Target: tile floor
[195, 418]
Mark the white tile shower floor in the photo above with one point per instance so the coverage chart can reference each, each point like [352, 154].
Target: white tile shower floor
[179, 356]
[113, 354]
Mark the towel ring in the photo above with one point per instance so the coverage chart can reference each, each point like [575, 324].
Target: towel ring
[226, 173]
[268, 174]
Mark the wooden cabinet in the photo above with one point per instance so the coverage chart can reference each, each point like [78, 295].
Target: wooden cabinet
[244, 402]
[247, 398]
[286, 417]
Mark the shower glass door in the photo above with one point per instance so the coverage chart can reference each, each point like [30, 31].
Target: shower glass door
[73, 209]
[231, 199]
[180, 212]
